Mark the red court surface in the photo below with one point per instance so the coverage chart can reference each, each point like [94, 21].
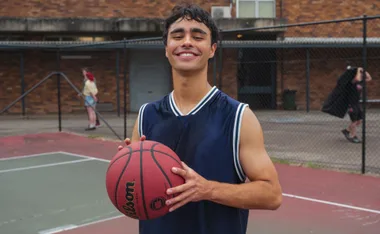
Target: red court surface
[315, 200]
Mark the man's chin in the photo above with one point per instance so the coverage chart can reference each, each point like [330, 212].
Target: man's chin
[186, 69]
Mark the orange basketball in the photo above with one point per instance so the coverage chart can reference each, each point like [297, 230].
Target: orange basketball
[138, 177]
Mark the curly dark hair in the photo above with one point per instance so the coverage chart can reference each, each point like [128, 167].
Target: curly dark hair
[191, 12]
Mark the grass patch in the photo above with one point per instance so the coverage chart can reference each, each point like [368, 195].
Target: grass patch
[94, 136]
[281, 161]
[313, 165]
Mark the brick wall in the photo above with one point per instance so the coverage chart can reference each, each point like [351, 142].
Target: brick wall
[324, 69]
[316, 10]
[299, 11]
[229, 72]
[103, 65]
[96, 8]
[295, 10]
[326, 65]
[10, 87]
[44, 99]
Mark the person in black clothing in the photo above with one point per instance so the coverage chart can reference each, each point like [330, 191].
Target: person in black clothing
[345, 98]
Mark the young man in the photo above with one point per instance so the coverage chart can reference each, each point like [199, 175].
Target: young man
[219, 140]
[345, 98]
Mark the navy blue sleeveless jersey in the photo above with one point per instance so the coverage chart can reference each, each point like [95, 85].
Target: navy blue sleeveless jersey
[207, 140]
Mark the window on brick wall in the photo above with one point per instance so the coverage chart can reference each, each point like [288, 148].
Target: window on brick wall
[256, 8]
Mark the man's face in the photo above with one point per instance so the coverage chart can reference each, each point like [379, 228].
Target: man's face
[189, 45]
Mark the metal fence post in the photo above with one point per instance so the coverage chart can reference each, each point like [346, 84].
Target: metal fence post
[125, 88]
[59, 92]
[220, 63]
[117, 83]
[364, 94]
[22, 82]
[307, 80]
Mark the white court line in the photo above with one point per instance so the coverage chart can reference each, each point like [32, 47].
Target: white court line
[86, 224]
[284, 194]
[84, 156]
[46, 165]
[58, 229]
[28, 156]
[332, 203]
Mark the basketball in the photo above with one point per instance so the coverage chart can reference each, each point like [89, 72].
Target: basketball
[139, 175]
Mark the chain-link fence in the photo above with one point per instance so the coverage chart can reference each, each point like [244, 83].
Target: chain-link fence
[285, 74]
[295, 75]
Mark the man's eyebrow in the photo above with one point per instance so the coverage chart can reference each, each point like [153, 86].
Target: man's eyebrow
[182, 30]
[178, 30]
[198, 30]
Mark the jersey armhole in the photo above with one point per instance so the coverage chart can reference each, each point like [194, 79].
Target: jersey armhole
[236, 141]
[141, 119]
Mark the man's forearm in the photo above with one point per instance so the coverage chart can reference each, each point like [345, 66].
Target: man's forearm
[251, 195]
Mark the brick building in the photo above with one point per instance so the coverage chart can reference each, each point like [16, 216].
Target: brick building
[256, 65]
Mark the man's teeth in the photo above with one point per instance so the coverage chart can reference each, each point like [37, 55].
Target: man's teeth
[186, 54]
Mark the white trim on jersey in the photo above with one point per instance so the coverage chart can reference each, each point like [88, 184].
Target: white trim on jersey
[204, 101]
[236, 140]
[140, 119]
[173, 106]
[198, 107]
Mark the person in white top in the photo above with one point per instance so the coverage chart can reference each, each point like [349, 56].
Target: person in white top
[90, 91]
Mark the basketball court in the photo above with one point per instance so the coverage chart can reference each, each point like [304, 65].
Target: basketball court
[55, 183]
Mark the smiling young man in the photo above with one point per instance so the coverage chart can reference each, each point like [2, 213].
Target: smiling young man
[226, 168]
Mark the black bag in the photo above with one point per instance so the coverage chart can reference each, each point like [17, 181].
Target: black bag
[338, 101]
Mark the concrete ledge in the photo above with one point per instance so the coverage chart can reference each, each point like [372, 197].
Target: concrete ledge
[140, 25]
[108, 25]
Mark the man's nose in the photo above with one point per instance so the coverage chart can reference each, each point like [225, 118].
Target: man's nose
[187, 41]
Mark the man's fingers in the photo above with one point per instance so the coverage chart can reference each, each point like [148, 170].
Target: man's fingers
[180, 203]
[179, 171]
[186, 167]
[180, 200]
[127, 141]
[179, 189]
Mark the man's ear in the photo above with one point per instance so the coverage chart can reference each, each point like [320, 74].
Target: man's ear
[213, 49]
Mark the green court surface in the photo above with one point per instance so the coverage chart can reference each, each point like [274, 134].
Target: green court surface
[40, 194]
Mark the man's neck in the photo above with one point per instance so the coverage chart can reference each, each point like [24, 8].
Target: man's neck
[189, 89]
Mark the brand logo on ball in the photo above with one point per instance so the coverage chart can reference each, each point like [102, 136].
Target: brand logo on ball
[129, 206]
[157, 203]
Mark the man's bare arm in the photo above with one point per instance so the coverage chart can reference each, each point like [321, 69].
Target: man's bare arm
[135, 136]
[263, 191]
[135, 132]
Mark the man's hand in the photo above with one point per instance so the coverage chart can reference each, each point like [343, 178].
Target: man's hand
[127, 142]
[195, 188]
